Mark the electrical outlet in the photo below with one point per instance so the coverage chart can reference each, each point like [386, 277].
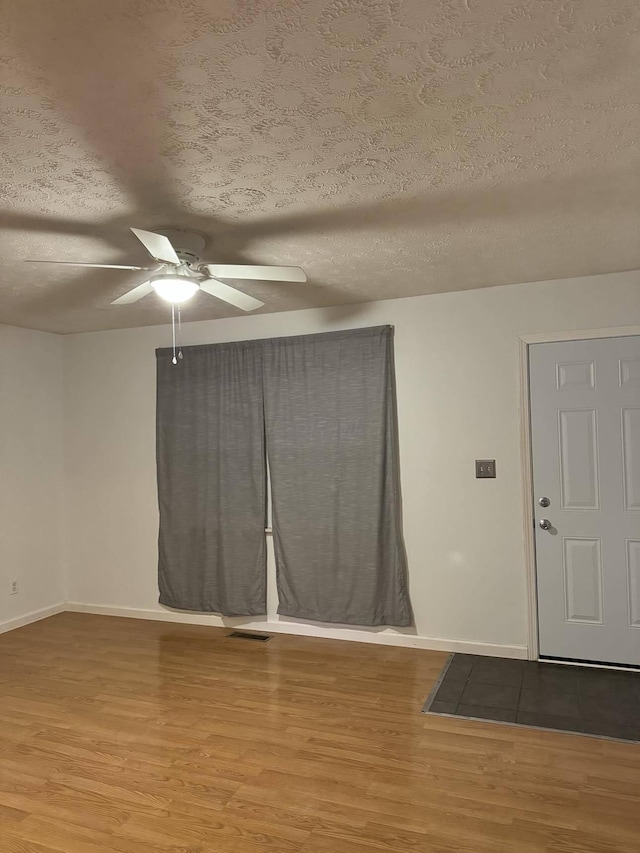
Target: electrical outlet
[13, 587]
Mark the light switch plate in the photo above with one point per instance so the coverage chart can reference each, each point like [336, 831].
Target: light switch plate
[485, 468]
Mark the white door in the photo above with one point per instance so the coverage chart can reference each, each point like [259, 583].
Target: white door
[585, 424]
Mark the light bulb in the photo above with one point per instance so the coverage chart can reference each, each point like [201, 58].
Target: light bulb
[174, 288]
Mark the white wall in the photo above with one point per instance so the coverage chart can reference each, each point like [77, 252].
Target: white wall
[458, 398]
[31, 473]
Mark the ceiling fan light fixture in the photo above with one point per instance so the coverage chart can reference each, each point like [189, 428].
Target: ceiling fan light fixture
[174, 288]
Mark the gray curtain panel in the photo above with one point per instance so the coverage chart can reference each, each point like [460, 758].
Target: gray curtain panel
[211, 480]
[332, 448]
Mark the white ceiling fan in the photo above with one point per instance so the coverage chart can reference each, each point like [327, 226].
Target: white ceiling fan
[180, 273]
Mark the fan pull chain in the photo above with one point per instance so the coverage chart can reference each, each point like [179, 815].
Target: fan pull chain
[173, 332]
[179, 333]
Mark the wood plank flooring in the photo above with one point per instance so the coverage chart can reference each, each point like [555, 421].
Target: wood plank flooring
[131, 736]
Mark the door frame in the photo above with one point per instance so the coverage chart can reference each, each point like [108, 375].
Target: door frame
[526, 456]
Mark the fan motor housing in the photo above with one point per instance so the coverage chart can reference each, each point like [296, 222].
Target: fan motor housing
[188, 244]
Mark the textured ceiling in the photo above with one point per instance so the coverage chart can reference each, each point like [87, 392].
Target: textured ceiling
[390, 147]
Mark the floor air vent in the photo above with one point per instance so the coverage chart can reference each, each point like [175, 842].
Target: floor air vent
[246, 635]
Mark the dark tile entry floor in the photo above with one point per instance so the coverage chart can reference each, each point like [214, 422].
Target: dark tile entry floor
[570, 698]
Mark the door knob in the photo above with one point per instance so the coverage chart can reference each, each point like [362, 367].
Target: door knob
[544, 524]
[544, 501]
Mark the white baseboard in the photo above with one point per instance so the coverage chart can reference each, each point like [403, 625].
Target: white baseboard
[385, 637]
[34, 616]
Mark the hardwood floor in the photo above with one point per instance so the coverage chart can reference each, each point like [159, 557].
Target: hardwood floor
[130, 736]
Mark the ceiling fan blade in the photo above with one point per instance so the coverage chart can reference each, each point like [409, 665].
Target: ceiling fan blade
[253, 272]
[98, 266]
[158, 246]
[230, 295]
[135, 294]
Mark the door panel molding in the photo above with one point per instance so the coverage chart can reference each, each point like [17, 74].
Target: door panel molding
[582, 567]
[629, 371]
[633, 579]
[576, 374]
[630, 416]
[583, 424]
